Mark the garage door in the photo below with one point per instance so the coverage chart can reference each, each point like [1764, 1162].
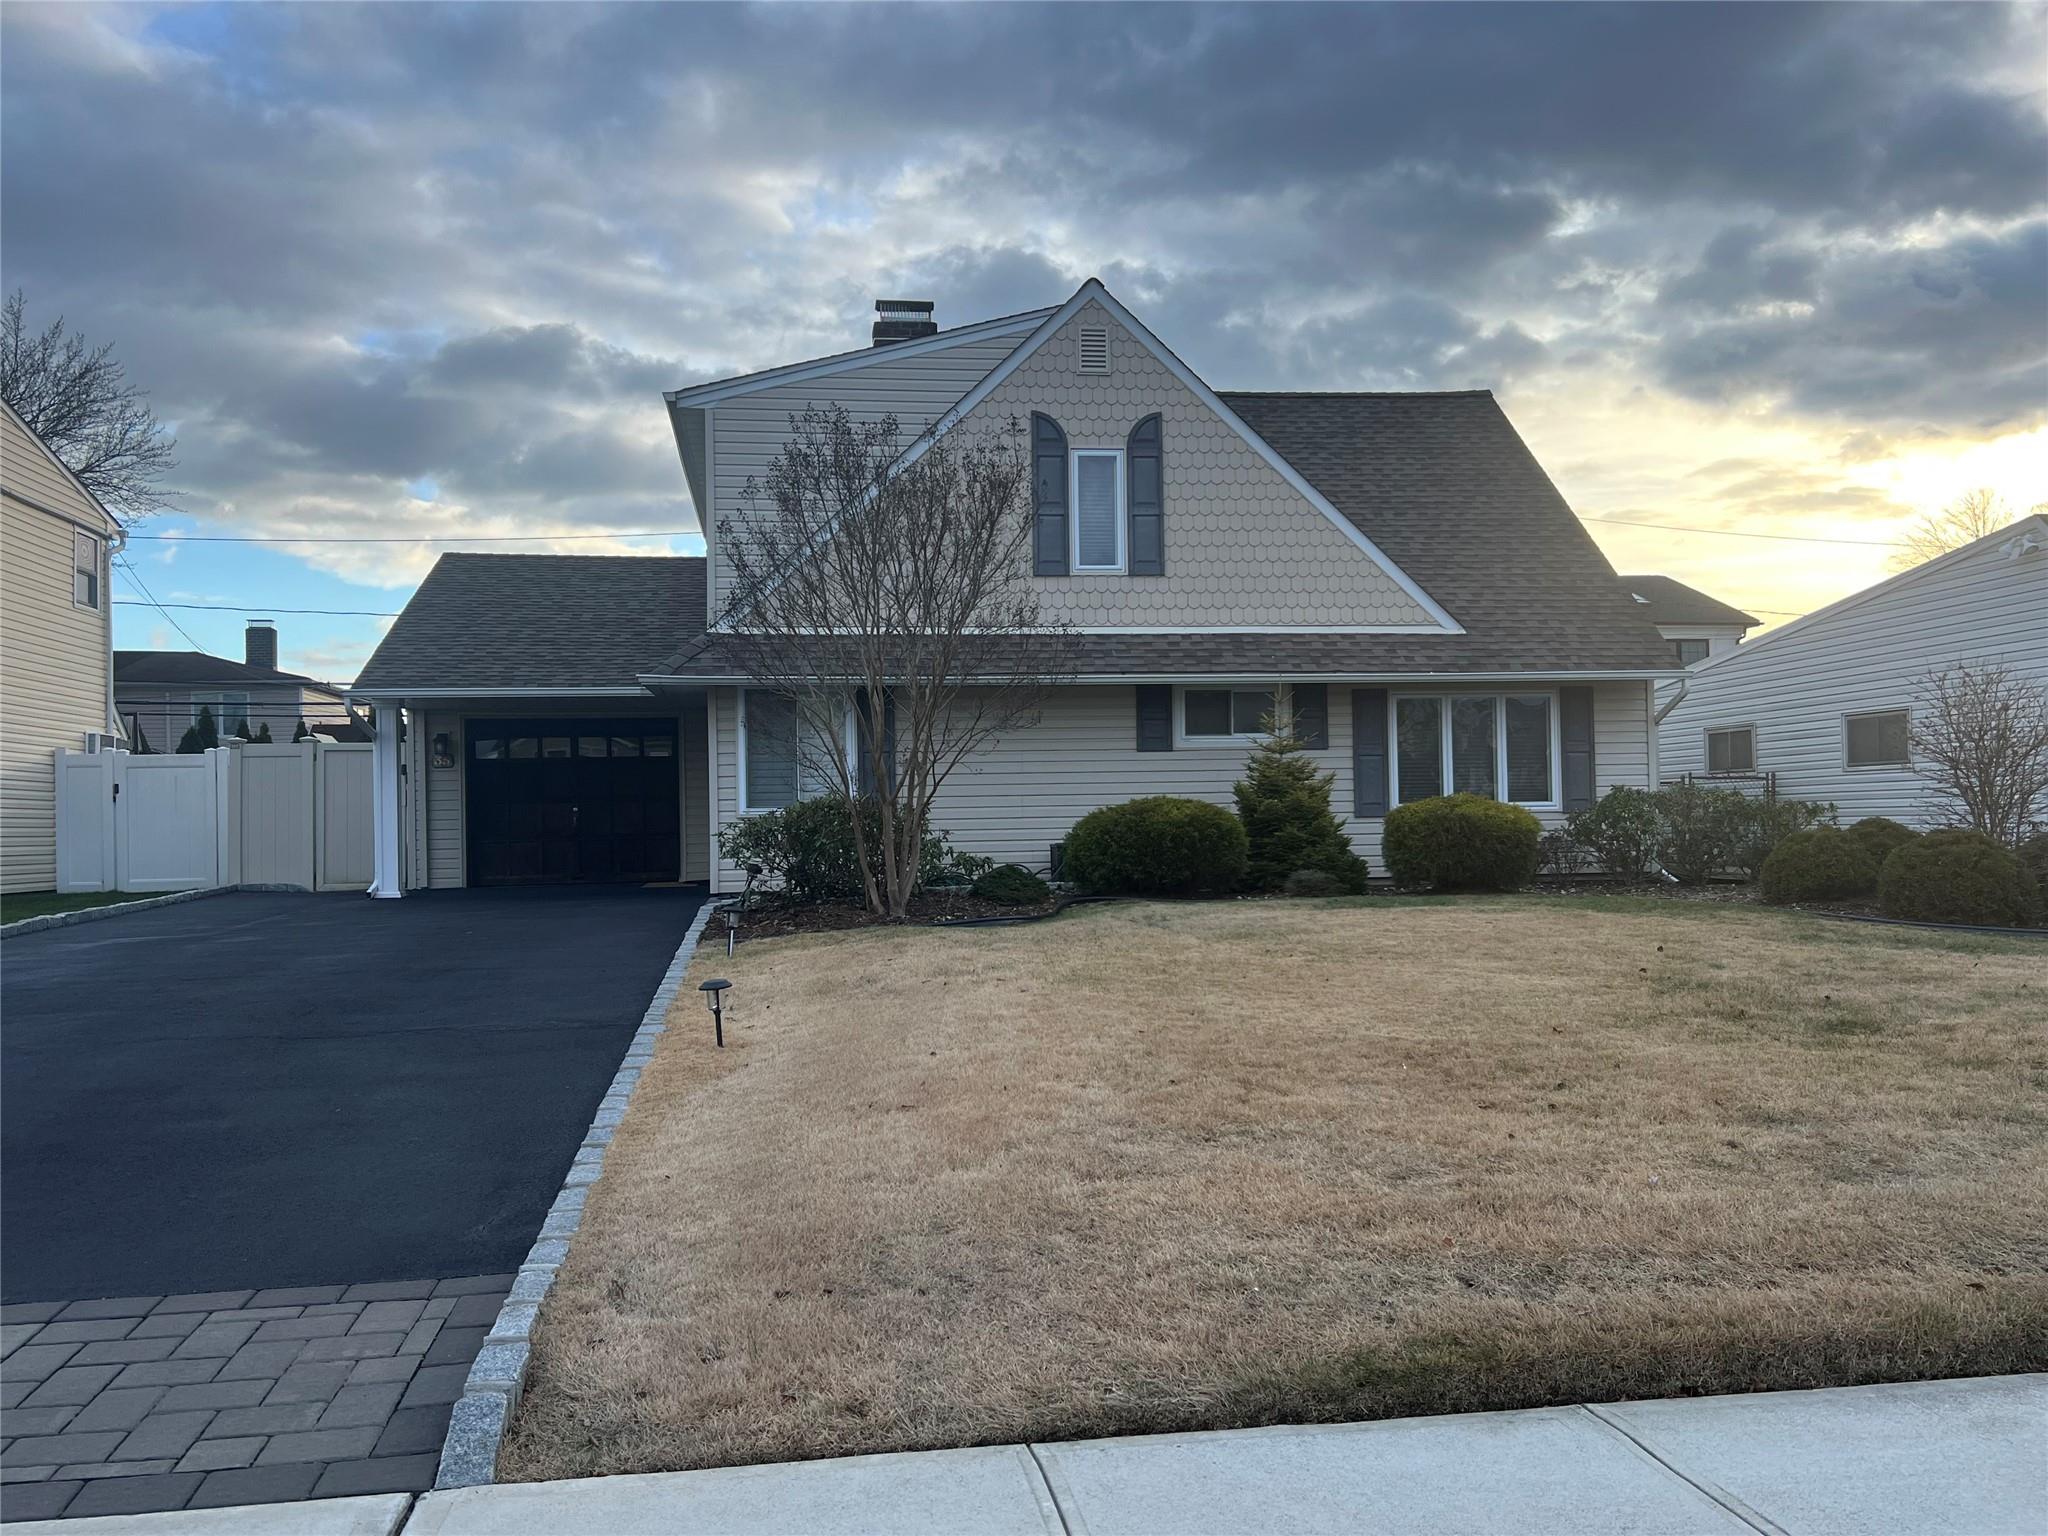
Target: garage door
[556, 802]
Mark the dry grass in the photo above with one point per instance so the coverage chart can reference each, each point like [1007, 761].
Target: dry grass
[1158, 1167]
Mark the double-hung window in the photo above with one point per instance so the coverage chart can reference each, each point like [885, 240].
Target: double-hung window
[1225, 714]
[782, 758]
[85, 569]
[1690, 652]
[1880, 739]
[1097, 497]
[1503, 746]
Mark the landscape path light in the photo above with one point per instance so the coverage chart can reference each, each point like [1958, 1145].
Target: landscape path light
[714, 993]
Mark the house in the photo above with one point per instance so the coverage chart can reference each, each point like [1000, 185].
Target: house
[1698, 626]
[1397, 565]
[56, 638]
[1825, 704]
[160, 693]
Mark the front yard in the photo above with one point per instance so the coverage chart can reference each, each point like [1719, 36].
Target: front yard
[1157, 1167]
[20, 905]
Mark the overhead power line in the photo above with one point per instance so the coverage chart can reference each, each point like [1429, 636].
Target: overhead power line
[432, 538]
[128, 570]
[344, 613]
[1736, 533]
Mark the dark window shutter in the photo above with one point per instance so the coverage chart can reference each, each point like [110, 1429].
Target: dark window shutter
[1049, 497]
[1155, 717]
[1368, 751]
[1575, 727]
[1311, 702]
[1145, 499]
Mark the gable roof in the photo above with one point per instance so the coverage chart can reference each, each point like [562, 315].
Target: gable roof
[2030, 533]
[539, 622]
[1665, 601]
[178, 669]
[63, 469]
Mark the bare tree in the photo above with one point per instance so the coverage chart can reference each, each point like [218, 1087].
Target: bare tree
[884, 580]
[76, 398]
[1965, 520]
[1980, 735]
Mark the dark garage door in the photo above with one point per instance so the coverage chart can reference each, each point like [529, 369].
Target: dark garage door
[553, 802]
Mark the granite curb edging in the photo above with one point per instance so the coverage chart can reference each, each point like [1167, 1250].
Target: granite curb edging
[476, 1429]
[111, 909]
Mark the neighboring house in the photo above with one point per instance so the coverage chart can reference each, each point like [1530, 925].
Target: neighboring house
[1698, 626]
[1396, 566]
[1825, 704]
[160, 693]
[56, 636]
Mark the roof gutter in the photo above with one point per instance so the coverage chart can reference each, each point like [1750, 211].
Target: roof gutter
[1678, 698]
[389, 694]
[1532, 679]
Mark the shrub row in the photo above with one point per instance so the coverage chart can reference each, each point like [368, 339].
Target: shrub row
[1950, 876]
[1690, 830]
[807, 849]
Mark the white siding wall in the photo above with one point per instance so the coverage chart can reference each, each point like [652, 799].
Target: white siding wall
[1025, 795]
[1870, 655]
[746, 432]
[53, 656]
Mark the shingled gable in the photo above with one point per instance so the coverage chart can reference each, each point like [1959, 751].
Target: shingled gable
[1665, 601]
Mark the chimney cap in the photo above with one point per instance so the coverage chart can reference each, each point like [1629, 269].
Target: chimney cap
[903, 320]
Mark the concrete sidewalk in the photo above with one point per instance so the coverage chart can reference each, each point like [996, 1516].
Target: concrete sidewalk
[1963, 1457]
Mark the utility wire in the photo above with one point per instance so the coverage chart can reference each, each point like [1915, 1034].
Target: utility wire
[346, 613]
[1736, 533]
[435, 538]
[128, 570]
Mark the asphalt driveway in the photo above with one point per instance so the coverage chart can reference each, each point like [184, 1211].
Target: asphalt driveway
[279, 1090]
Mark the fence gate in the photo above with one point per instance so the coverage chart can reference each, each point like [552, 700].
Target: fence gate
[344, 849]
[168, 814]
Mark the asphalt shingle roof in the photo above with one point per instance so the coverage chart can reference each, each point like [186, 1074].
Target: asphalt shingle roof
[540, 621]
[175, 669]
[1673, 602]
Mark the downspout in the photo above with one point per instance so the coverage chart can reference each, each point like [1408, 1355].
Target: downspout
[116, 542]
[1678, 698]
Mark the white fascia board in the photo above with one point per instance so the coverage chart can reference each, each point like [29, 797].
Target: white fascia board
[1093, 290]
[634, 692]
[699, 395]
[2035, 525]
[1092, 679]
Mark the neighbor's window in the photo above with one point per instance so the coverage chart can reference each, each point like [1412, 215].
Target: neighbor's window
[1878, 740]
[1732, 750]
[230, 711]
[85, 570]
[775, 773]
[1224, 713]
[1478, 744]
[1098, 499]
[1689, 652]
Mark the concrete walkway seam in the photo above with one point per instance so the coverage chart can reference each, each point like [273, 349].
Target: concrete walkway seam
[1063, 1509]
[112, 909]
[1707, 1488]
[476, 1427]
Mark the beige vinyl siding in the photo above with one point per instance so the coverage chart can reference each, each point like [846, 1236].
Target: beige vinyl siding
[747, 431]
[1243, 547]
[1015, 802]
[53, 654]
[690, 762]
[445, 866]
[1870, 655]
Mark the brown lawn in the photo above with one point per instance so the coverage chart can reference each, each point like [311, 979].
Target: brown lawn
[1164, 1167]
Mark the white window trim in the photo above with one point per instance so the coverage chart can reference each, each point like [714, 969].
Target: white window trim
[1707, 735]
[1553, 802]
[1123, 554]
[1181, 738]
[99, 570]
[1891, 766]
[848, 745]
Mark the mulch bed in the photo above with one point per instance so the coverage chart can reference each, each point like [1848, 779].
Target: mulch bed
[767, 919]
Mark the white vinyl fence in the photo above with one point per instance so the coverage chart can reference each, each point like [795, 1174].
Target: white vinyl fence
[294, 815]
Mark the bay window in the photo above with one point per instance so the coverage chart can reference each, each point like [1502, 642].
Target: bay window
[1502, 746]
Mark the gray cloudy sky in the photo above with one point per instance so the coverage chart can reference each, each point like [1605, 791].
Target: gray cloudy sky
[417, 268]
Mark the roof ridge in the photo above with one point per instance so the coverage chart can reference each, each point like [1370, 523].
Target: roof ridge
[1364, 394]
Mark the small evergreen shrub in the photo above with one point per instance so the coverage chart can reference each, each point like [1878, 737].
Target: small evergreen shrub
[1698, 829]
[2033, 857]
[808, 850]
[1621, 830]
[1161, 845]
[1768, 822]
[1879, 835]
[1461, 842]
[1013, 885]
[1818, 864]
[1315, 882]
[202, 734]
[1560, 855]
[1955, 877]
[1289, 828]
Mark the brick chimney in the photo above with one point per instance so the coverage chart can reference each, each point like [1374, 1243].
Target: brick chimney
[259, 644]
[903, 320]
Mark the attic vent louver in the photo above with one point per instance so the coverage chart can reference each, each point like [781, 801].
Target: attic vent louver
[1094, 349]
[903, 320]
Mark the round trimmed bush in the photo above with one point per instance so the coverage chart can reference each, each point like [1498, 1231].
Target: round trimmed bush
[1161, 845]
[1316, 882]
[2033, 857]
[1461, 842]
[1819, 864]
[1879, 835]
[1955, 877]
[1013, 885]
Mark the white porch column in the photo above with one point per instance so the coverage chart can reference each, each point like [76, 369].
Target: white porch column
[385, 829]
